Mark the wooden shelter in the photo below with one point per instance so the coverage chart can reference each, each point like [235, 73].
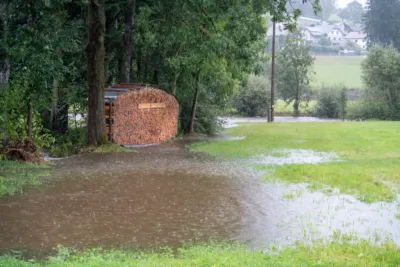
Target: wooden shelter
[138, 114]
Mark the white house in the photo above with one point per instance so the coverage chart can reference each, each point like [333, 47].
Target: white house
[358, 38]
[336, 36]
[314, 33]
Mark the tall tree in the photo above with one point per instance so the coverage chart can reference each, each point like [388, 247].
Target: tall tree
[382, 22]
[294, 72]
[381, 74]
[353, 12]
[328, 8]
[36, 34]
[127, 48]
[95, 56]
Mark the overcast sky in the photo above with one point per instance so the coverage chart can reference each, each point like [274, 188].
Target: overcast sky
[343, 3]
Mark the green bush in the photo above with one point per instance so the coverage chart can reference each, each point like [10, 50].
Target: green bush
[316, 48]
[207, 118]
[331, 103]
[381, 75]
[370, 106]
[69, 143]
[254, 98]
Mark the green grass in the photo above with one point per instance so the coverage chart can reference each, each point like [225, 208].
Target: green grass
[14, 176]
[333, 254]
[8, 164]
[370, 153]
[333, 70]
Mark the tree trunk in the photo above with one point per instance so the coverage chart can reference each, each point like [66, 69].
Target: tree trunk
[296, 108]
[4, 71]
[95, 55]
[126, 60]
[297, 98]
[29, 119]
[155, 77]
[54, 105]
[176, 76]
[194, 106]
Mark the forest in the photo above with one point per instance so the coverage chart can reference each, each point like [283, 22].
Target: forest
[56, 58]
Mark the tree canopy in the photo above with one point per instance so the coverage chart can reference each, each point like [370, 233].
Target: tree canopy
[294, 64]
[61, 54]
[353, 12]
[381, 22]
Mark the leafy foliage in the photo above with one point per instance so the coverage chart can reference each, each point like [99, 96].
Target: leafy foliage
[331, 102]
[381, 75]
[353, 12]
[382, 31]
[44, 41]
[294, 64]
[254, 97]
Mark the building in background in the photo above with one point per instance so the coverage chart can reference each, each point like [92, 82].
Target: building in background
[358, 38]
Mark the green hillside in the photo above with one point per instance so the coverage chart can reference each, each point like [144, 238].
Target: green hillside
[332, 70]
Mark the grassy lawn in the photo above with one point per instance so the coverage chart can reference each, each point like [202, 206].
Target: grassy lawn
[333, 70]
[369, 151]
[334, 254]
[14, 176]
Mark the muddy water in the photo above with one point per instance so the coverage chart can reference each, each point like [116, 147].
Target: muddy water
[166, 195]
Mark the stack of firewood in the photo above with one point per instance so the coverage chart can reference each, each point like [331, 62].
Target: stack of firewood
[145, 116]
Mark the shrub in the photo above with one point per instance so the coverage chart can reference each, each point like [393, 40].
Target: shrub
[253, 99]
[207, 118]
[69, 143]
[317, 48]
[331, 103]
[372, 105]
[381, 75]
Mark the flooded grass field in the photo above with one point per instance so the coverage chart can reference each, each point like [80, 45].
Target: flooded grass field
[168, 195]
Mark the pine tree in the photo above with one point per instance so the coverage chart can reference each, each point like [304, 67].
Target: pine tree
[382, 22]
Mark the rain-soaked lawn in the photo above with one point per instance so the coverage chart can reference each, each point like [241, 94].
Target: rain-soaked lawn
[248, 204]
[359, 158]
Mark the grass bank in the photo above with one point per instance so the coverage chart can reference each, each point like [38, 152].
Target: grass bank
[14, 176]
[369, 153]
[332, 70]
[333, 254]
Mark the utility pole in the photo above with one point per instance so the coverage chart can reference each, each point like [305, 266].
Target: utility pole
[273, 72]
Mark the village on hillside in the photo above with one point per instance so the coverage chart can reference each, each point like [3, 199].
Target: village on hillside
[325, 37]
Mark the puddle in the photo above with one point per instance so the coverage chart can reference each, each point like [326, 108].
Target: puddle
[167, 195]
[231, 122]
[297, 156]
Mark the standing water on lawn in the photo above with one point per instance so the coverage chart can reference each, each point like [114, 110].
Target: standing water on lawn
[167, 195]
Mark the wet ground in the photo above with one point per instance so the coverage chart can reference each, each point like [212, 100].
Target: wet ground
[167, 195]
[234, 121]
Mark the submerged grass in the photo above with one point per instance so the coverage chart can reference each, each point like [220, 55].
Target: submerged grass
[370, 153]
[14, 176]
[333, 254]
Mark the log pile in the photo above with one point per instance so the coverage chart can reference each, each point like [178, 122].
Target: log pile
[144, 115]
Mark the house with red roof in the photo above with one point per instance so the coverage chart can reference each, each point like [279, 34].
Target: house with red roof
[358, 38]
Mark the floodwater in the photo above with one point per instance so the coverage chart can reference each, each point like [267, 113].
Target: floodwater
[166, 195]
[233, 121]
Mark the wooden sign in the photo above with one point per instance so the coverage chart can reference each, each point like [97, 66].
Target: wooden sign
[151, 105]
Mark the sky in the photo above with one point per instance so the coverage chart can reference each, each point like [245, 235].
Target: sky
[343, 3]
